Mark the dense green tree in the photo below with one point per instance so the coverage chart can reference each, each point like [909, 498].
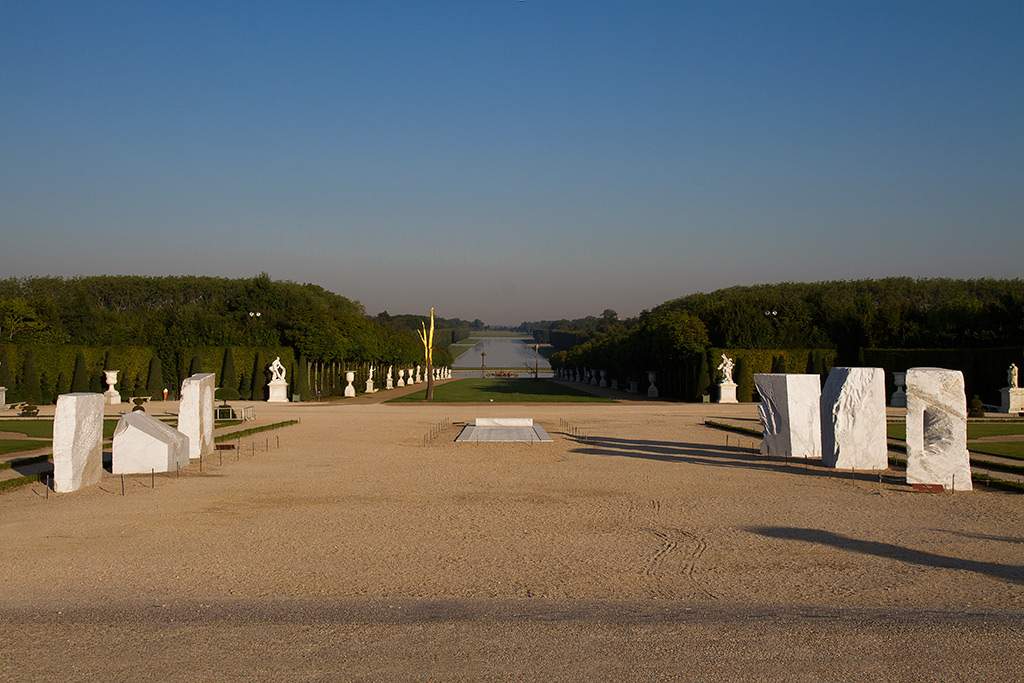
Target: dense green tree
[259, 378]
[80, 378]
[196, 366]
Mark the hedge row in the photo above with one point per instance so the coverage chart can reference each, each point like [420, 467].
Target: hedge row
[54, 367]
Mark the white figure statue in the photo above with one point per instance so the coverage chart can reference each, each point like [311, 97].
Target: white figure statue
[277, 370]
[726, 367]
[1011, 376]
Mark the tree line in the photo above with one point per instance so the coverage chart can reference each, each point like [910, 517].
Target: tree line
[846, 322]
[178, 318]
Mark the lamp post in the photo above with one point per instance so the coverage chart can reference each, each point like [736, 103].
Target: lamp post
[483, 354]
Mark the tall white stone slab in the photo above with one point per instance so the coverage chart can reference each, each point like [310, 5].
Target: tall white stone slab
[143, 444]
[790, 414]
[937, 429]
[195, 413]
[853, 419]
[77, 441]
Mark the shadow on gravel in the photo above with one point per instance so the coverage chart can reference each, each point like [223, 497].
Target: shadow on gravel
[1007, 572]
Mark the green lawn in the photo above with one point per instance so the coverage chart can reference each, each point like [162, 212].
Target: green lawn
[503, 391]
[15, 445]
[43, 428]
[975, 430]
[1007, 449]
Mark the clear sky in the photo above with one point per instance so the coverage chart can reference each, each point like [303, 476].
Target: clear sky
[513, 160]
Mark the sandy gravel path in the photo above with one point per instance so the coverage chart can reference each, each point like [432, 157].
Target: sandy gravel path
[648, 549]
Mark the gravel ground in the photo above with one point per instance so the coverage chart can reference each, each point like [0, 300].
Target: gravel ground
[647, 549]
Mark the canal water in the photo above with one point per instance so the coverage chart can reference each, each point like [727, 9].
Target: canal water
[502, 352]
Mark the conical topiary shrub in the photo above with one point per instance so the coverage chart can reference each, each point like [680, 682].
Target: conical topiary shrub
[703, 378]
[301, 386]
[744, 381]
[155, 379]
[80, 378]
[30, 388]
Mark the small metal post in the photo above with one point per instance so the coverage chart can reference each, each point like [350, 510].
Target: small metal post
[879, 483]
[200, 462]
[122, 484]
[152, 478]
[279, 441]
[177, 470]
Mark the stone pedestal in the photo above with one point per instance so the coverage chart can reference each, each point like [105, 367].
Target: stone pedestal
[652, 391]
[278, 391]
[195, 413]
[401, 379]
[727, 392]
[790, 414]
[350, 391]
[3, 398]
[110, 396]
[615, 384]
[1013, 400]
[369, 387]
[144, 444]
[634, 386]
[77, 441]
[853, 419]
[899, 397]
[937, 429]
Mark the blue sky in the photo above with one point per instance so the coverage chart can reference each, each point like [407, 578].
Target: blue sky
[511, 160]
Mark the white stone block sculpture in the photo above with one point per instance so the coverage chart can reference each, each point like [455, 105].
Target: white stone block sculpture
[937, 429]
[350, 391]
[144, 444]
[790, 414]
[111, 396]
[853, 419]
[195, 413]
[652, 391]
[77, 441]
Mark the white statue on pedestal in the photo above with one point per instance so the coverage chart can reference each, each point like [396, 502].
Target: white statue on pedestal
[369, 382]
[1011, 376]
[277, 370]
[726, 367]
[390, 383]
[278, 386]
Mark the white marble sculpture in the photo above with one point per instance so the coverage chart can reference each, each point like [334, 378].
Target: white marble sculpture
[899, 397]
[277, 370]
[278, 385]
[790, 414]
[726, 367]
[369, 382]
[144, 444]
[350, 391]
[77, 441]
[401, 378]
[853, 419]
[419, 374]
[615, 383]
[1012, 396]
[652, 391]
[389, 382]
[111, 396]
[726, 388]
[195, 413]
[937, 429]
